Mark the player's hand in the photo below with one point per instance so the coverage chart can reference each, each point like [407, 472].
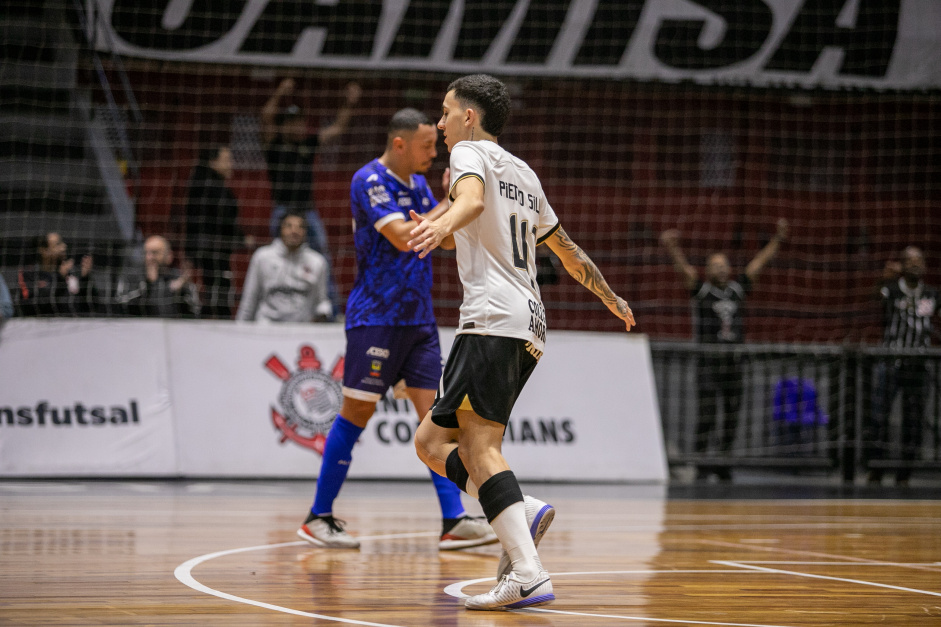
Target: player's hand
[622, 311]
[426, 236]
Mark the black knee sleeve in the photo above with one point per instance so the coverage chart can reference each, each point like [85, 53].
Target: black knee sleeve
[455, 470]
[499, 492]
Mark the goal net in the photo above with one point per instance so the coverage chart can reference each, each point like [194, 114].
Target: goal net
[713, 118]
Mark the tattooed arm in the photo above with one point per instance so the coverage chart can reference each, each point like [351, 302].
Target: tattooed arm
[584, 270]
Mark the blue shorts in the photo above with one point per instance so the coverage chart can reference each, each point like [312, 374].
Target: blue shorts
[379, 357]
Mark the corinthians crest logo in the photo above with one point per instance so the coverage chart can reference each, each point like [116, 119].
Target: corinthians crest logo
[309, 398]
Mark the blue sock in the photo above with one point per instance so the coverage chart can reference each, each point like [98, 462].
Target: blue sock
[337, 455]
[449, 496]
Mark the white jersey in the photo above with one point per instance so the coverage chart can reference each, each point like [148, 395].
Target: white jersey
[496, 253]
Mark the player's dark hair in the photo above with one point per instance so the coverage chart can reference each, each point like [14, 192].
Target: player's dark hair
[407, 119]
[486, 95]
[291, 213]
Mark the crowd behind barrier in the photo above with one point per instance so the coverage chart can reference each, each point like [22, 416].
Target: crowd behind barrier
[850, 409]
[810, 407]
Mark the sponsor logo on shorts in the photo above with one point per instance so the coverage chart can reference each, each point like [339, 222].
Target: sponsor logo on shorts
[532, 350]
[375, 351]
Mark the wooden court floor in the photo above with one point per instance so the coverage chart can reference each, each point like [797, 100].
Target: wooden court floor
[225, 553]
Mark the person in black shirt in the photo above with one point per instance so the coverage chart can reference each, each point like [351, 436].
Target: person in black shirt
[159, 291]
[212, 230]
[718, 306]
[908, 306]
[289, 153]
[56, 286]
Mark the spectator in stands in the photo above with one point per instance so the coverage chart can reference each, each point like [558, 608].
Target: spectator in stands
[908, 305]
[287, 281]
[212, 230]
[289, 152]
[6, 303]
[57, 285]
[158, 291]
[719, 312]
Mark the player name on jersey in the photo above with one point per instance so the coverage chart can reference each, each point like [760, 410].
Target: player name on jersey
[519, 196]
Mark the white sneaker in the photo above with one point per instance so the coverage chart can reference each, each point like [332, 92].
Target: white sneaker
[512, 593]
[327, 531]
[539, 516]
[466, 533]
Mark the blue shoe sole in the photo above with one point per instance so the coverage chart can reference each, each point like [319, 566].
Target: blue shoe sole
[541, 523]
[540, 600]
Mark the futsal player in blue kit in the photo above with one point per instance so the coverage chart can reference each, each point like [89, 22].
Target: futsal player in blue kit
[391, 332]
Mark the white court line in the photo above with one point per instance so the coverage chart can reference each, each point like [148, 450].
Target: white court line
[455, 590]
[813, 576]
[184, 574]
[842, 558]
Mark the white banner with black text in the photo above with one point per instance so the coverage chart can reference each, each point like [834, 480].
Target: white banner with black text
[85, 398]
[880, 44]
[218, 399]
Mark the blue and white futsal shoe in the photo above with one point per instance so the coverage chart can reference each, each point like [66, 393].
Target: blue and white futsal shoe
[511, 593]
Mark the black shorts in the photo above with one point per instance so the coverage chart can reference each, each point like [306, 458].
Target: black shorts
[485, 374]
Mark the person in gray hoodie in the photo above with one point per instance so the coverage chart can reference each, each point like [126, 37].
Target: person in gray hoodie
[287, 280]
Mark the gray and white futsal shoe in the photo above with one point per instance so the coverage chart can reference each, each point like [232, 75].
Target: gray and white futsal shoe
[326, 531]
[468, 532]
[539, 516]
[511, 593]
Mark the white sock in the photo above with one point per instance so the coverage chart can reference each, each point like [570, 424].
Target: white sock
[513, 532]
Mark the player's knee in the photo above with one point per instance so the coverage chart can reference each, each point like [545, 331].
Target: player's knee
[356, 411]
[421, 450]
[424, 439]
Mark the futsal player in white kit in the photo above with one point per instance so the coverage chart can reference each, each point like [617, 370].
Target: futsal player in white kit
[498, 215]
